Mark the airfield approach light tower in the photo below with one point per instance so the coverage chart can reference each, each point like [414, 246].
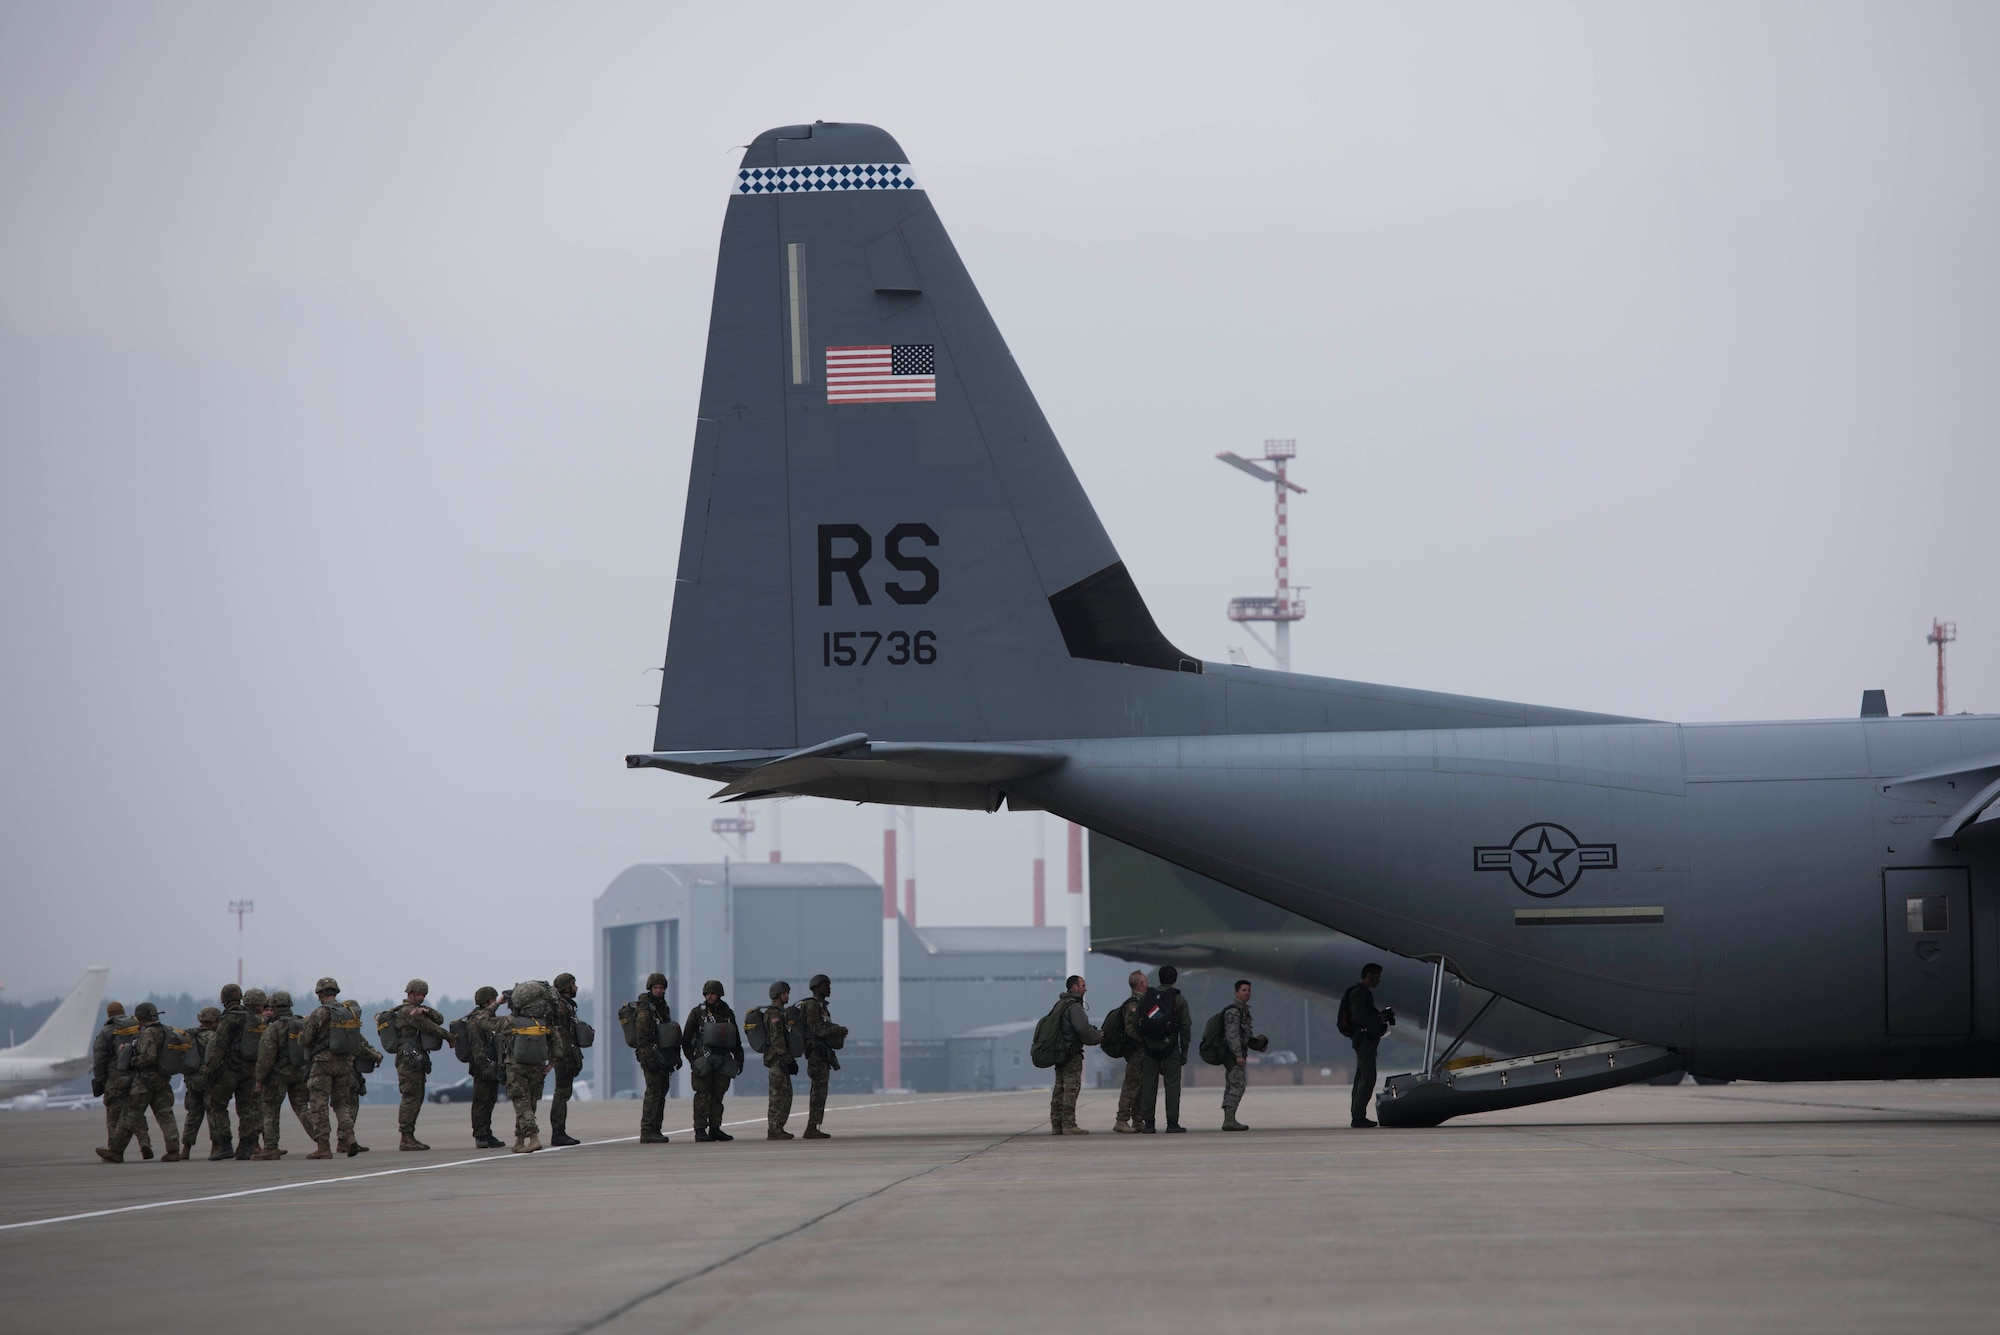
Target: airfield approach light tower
[1284, 609]
[1942, 633]
[738, 827]
[1075, 944]
[892, 963]
[239, 907]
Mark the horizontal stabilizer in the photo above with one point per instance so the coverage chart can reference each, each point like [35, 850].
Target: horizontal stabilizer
[855, 758]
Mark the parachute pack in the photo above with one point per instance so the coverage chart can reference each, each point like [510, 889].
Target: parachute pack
[389, 1031]
[762, 1023]
[177, 1053]
[533, 998]
[250, 1035]
[343, 1031]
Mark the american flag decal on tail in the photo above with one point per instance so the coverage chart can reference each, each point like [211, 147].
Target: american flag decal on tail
[882, 373]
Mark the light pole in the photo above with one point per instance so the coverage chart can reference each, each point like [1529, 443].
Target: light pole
[240, 907]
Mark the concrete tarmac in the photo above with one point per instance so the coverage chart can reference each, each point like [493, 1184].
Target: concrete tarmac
[1851, 1207]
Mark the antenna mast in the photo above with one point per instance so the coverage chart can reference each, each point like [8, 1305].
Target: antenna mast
[239, 907]
[1284, 609]
[1942, 633]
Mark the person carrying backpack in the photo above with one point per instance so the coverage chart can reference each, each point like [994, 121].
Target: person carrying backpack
[1239, 1040]
[822, 1037]
[332, 1038]
[779, 1064]
[1073, 1033]
[714, 1044]
[656, 1044]
[194, 1084]
[565, 1060]
[151, 1088]
[1163, 1027]
[279, 1077]
[1365, 1025]
[480, 1049]
[228, 1075]
[110, 1083]
[1121, 1028]
[421, 1032]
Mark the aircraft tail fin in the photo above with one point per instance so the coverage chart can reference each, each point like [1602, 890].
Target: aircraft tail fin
[66, 1034]
[882, 534]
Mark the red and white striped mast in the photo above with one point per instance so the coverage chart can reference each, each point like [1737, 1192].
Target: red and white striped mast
[892, 962]
[1284, 609]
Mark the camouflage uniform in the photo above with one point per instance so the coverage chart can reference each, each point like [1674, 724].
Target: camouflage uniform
[278, 1079]
[710, 1072]
[151, 1088]
[524, 1078]
[1236, 1034]
[779, 1064]
[414, 1022]
[230, 1076]
[656, 1059]
[115, 1086]
[1161, 1062]
[566, 1063]
[821, 1033]
[330, 1082]
[194, 1084]
[1128, 1092]
[485, 1067]
[1078, 1034]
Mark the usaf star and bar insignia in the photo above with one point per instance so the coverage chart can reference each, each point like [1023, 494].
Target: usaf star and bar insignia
[1545, 860]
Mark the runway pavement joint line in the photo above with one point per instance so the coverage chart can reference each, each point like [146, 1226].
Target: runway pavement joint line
[431, 1167]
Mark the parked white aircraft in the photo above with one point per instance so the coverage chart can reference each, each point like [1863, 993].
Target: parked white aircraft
[60, 1049]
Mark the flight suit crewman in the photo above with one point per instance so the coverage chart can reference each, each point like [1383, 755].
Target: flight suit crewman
[1161, 1060]
[194, 1084]
[151, 1088]
[822, 1034]
[710, 1072]
[1367, 1025]
[779, 1065]
[1078, 1033]
[414, 1021]
[278, 1079]
[1239, 1040]
[565, 1061]
[485, 1066]
[330, 1079]
[228, 1077]
[658, 1053]
[1128, 1014]
[109, 1083]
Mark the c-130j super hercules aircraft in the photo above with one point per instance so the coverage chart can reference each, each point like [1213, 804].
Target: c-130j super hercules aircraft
[893, 589]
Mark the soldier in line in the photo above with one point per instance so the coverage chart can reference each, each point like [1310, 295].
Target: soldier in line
[566, 1061]
[228, 1077]
[1078, 1033]
[1161, 1059]
[1126, 1017]
[1239, 1040]
[1365, 1025]
[107, 1081]
[194, 1084]
[527, 1021]
[658, 1051]
[485, 1066]
[415, 1022]
[279, 1077]
[150, 1088]
[822, 1035]
[779, 1065]
[332, 1037]
[714, 1047]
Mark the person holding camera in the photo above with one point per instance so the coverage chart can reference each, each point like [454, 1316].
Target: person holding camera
[1365, 1025]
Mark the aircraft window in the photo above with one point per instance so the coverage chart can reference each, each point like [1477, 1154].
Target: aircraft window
[795, 279]
[1925, 913]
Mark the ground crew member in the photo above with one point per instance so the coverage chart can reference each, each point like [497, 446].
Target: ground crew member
[657, 1055]
[821, 1036]
[229, 1077]
[524, 1074]
[711, 1069]
[485, 1066]
[109, 1083]
[330, 1082]
[1161, 1059]
[1365, 1025]
[1078, 1033]
[278, 1079]
[779, 1065]
[194, 1085]
[566, 1061]
[1128, 1019]
[414, 1020]
[150, 1088]
[1239, 1040]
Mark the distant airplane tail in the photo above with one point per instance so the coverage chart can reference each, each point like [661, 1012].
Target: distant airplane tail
[66, 1034]
[882, 534]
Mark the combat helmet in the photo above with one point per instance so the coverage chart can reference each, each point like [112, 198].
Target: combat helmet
[418, 986]
[819, 980]
[113, 1009]
[325, 985]
[254, 999]
[655, 979]
[779, 989]
[231, 994]
[146, 1011]
[712, 985]
[208, 1014]
[281, 1000]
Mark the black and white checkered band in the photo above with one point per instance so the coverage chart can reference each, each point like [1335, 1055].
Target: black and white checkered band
[830, 176]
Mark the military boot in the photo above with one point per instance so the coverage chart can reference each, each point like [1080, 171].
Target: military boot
[492, 1143]
[778, 1135]
[320, 1151]
[1229, 1122]
[717, 1133]
[1122, 1127]
[814, 1133]
[1075, 1131]
[410, 1142]
[653, 1138]
[1176, 1129]
[520, 1145]
[145, 1151]
[700, 1134]
[355, 1147]
[220, 1148]
[534, 1141]
[564, 1138]
[265, 1154]
[247, 1147]
[109, 1156]
[173, 1154]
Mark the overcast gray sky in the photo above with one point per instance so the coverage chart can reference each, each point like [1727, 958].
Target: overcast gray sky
[1641, 358]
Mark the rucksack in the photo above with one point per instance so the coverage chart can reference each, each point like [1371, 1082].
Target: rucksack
[343, 1031]
[1051, 1042]
[533, 998]
[388, 1030]
[177, 1056]
[1115, 1042]
[296, 1055]
[461, 1038]
[628, 1023]
[1344, 1020]
[122, 1039]
[250, 1036]
[795, 1032]
[1212, 1049]
[1159, 1014]
[758, 1022]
